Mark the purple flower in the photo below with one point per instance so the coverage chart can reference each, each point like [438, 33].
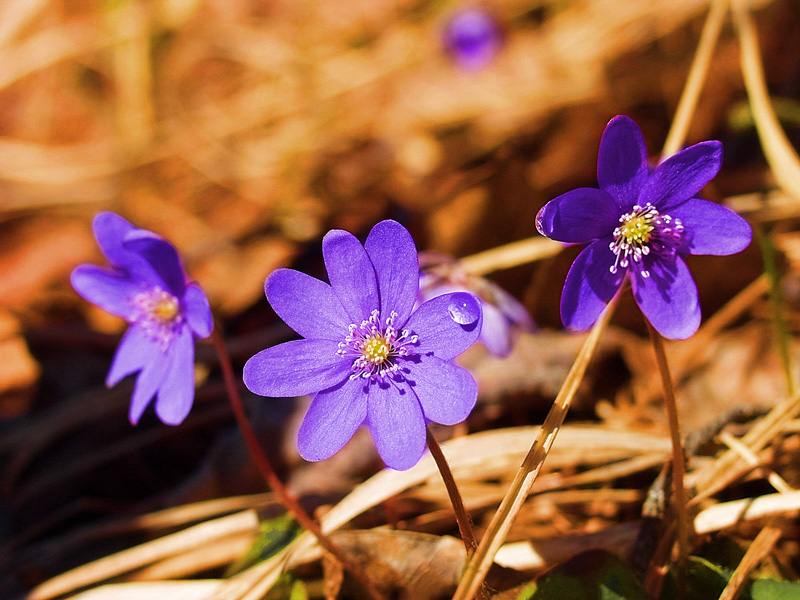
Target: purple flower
[147, 287]
[640, 224]
[502, 313]
[369, 357]
[473, 38]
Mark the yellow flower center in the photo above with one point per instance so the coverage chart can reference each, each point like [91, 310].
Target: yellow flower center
[376, 349]
[165, 307]
[637, 229]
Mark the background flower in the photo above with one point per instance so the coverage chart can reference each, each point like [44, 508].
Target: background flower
[502, 313]
[369, 357]
[473, 38]
[147, 287]
[640, 223]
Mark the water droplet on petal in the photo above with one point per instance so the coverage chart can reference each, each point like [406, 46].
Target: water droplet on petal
[464, 308]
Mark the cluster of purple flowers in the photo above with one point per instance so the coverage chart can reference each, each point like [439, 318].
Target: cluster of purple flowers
[371, 352]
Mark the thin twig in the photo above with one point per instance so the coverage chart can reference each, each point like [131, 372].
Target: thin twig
[462, 517]
[678, 466]
[265, 467]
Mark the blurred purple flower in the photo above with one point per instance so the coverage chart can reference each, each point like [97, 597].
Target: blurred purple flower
[369, 357]
[502, 313]
[640, 224]
[473, 38]
[147, 287]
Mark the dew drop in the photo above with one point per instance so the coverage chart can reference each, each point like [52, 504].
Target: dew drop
[464, 308]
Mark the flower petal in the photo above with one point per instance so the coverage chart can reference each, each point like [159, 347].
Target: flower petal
[109, 290]
[197, 311]
[622, 161]
[176, 392]
[393, 254]
[446, 392]
[307, 305]
[110, 230]
[332, 419]
[395, 421]
[135, 350]
[495, 331]
[439, 332]
[578, 216]
[589, 286]
[711, 228]
[682, 176]
[296, 368]
[162, 257]
[668, 298]
[147, 384]
[351, 274]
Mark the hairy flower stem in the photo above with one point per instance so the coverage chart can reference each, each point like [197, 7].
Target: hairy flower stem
[265, 467]
[462, 518]
[678, 465]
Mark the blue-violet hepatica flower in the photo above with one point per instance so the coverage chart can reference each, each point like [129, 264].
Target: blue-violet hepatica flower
[640, 224]
[367, 355]
[473, 38]
[146, 285]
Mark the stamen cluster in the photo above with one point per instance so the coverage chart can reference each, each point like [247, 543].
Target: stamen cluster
[374, 348]
[641, 231]
[159, 314]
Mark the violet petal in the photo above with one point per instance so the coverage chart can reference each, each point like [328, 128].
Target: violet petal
[351, 274]
[296, 368]
[307, 305]
[109, 290]
[197, 311]
[438, 332]
[589, 286]
[147, 384]
[446, 391]
[332, 419]
[668, 298]
[622, 161]
[682, 176]
[395, 421]
[135, 350]
[579, 216]
[176, 392]
[393, 254]
[162, 256]
[495, 331]
[711, 228]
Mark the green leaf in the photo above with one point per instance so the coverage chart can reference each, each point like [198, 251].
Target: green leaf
[593, 575]
[770, 589]
[274, 535]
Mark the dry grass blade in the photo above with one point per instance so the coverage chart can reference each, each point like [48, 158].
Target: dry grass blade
[782, 158]
[726, 514]
[696, 78]
[718, 474]
[147, 590]
[761, 546]
[147, 553]
[510, 255]
[479, 564]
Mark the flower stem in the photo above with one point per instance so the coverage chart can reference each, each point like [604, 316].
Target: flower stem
[265, 467]
[462, 517]
[678, 466]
